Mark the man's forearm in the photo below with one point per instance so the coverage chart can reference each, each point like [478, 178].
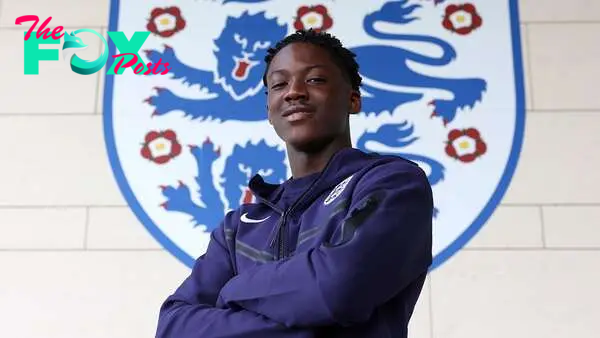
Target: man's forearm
[180, 320]
[190, 311]
[344, 283]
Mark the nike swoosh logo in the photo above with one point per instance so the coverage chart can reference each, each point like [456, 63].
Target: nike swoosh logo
[245, 219]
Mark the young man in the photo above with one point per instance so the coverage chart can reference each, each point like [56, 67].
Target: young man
[339, 250]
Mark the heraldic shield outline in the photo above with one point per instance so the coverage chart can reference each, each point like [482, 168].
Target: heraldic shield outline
[461, 115]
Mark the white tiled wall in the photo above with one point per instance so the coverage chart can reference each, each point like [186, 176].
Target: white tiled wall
[75, 262]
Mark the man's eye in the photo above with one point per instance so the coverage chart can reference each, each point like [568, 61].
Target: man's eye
[316, 80]
[278, 85]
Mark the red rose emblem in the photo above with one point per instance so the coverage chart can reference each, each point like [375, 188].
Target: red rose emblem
[165, 21]
[161, 146]
[316, 18]
[462, 19]
[465, 145]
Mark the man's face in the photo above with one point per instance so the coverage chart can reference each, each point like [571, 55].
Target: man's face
[308, 97]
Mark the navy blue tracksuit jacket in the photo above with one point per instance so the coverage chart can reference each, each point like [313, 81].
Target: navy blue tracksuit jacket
[340, 253]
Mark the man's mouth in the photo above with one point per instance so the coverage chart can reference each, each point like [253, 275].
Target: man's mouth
[242, 68]
[298, 116]
[297, 109]
[297, 113]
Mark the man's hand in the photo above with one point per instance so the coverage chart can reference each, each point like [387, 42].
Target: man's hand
[388, 250]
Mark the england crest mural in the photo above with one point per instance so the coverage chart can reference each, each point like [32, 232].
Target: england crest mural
[443, 87]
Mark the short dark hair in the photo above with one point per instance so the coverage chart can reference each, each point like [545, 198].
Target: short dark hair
[342, 57]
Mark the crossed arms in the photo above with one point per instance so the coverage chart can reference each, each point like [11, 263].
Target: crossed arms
[338, 284]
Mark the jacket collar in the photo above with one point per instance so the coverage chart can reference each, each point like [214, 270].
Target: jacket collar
[342, 164]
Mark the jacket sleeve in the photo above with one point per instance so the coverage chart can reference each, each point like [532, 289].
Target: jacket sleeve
[191, 313]
[386, 246]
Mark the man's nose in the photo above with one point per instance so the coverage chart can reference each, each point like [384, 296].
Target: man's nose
[296, 91]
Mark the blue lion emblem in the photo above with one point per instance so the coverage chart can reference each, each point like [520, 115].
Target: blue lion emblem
[465, 92]
[239, 167]
[236, 82]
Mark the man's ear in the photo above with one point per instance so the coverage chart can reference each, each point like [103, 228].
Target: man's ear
[269, 115]
[355, 102]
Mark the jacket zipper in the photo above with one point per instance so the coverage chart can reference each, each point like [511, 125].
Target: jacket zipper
[281, 236]
[282, 251]
[281, 231]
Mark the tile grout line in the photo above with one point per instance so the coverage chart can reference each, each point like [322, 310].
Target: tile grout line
[71, 27]
[2, 115]
[86, 228]
[532, 249]
[565, 204]
[561, 22]
[99, 74]
[541, 210]
[430, 293]
[65, 206]
[26, 250]
[562, 110]
[528, 65]
[97, 95]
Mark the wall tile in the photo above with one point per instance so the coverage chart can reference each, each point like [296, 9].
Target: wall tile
[100, 84]
[63, 12]
[572, 226]
[559, 11]
[518, 294]
[559, 160]
[526, 67]
[85, 294]
[56, 89]
[420, 323]
[42, 228]
[55, 160]
[118, 228]
[564, 69]
[510, 227]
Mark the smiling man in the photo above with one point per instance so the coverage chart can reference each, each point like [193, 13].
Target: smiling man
[341, 249]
